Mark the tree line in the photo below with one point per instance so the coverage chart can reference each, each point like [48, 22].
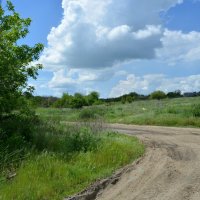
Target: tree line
[79, 100]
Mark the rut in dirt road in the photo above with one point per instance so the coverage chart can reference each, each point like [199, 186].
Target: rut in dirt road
[170, 170]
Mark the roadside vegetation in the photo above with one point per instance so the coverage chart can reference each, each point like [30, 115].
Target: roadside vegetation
[41, 157]
[62, 160]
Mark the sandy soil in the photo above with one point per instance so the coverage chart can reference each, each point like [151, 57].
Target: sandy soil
[170, 170]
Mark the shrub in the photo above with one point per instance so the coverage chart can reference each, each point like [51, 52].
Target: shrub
[158, 95]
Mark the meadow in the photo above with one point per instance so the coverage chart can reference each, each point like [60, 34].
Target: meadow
[166, 112]
[59, 159]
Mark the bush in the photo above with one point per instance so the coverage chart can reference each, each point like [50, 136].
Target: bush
[15, 138]
[158, 95]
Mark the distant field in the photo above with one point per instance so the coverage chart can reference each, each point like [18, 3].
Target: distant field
[167, 112]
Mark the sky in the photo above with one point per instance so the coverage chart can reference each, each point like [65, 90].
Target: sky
[115, 46]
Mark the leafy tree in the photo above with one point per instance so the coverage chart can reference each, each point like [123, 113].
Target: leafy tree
[15, 60]
[158, 95]
[78, 101]
[92, 98]
[64, 102]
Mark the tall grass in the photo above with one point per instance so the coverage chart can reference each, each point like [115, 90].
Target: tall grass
[54, 160]
[52, 176]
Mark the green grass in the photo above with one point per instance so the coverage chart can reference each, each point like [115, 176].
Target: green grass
[167, 112]
[53, 176]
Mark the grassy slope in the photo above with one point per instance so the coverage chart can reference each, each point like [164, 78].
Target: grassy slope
[50, 176]
[168, 112]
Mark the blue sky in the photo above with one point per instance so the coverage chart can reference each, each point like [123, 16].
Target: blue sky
[115, 46]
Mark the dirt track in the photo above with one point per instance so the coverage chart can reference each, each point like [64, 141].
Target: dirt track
[170, 170]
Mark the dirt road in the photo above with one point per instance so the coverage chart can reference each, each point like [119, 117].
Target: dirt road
[170, 170]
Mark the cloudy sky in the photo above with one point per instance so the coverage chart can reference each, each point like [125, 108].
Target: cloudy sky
[115, 46]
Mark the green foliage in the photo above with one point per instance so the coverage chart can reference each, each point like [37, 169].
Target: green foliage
[127, 99]
[65, 139]
[158, 95]
[81, 140]
[174, 94]
[15, 59]
[91, 113]
[92, 98]
[38, 101]
[15, 137]
[196, 110]
[53, 177]
[77, 101]
[166, 112]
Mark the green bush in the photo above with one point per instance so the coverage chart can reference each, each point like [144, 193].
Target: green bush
[16, 132]
[158, 95]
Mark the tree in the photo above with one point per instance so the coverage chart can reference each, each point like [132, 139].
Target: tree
[78, 101]
[158, 95]
[92, 98]
[15, 59]
[175, 94]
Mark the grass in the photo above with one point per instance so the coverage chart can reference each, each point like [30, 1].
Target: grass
[53, 176]
[167, 112]
[60, 160]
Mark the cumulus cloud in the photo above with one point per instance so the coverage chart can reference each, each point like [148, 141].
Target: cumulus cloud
[179, 47]
[81, 78]
[102, 33]
[148, 83]
[95, 37]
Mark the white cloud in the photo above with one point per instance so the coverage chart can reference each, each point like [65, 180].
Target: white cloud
[95, 37]
[180, 47]
[101, 33]
[78, 78]
[148, 83]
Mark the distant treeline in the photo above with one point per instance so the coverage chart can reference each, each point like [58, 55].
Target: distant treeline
[78, 100]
